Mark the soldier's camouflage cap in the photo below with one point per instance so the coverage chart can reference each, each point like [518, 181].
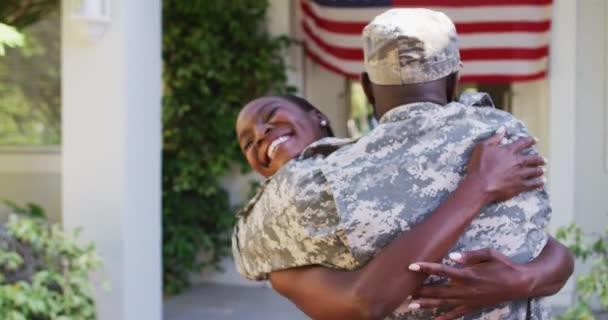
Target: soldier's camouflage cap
[406, 46]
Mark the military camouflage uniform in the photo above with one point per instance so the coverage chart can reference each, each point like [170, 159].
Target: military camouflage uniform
[338, 209]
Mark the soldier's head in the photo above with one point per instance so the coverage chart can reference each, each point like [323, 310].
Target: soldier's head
[411, 55]
[275, 129]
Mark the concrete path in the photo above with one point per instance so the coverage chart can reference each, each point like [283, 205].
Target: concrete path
[222, 302]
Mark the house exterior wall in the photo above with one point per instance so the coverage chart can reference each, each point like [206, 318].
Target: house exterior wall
[32, 174]
[591, 176]
[562, 100]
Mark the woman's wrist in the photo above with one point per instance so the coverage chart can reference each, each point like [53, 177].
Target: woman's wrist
[526, 281]
[476, 184]
[548, 272]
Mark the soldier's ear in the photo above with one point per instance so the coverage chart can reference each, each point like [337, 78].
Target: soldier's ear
[367, 88]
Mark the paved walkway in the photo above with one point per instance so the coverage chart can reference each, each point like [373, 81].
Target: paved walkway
[222, 302]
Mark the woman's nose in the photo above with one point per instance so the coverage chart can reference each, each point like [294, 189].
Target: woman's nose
[261, 132]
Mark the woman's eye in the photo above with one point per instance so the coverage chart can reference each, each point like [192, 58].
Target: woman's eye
[271, 114]
[248, 144]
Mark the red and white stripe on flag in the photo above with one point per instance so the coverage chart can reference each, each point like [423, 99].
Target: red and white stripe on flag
[500, 40]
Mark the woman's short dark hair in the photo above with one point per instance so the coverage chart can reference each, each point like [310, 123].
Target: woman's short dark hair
[306, 106]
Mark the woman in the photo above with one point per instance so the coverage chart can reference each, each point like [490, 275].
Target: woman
[274, 130]
[301, 125]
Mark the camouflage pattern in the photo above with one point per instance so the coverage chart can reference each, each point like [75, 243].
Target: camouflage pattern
[405, 46]
[292, 220]
[338, 209]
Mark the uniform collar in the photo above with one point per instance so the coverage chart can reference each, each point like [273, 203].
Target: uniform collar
[402, 112]
[325, 146]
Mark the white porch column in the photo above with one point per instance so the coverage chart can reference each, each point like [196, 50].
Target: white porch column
[111, 92]
[562, 106]
[562, 121]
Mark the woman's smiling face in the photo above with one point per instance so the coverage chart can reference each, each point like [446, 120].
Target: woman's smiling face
[273, 130]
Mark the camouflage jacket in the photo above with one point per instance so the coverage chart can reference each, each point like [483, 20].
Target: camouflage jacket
[342, 201]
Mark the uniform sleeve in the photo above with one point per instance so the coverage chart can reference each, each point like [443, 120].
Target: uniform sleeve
[515, 227]
[529, 211]
[293, 223]
[237, 255]
[541, 214]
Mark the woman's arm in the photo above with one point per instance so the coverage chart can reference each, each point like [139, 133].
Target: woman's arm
[495, 173]
[550, 271]
[488, 278]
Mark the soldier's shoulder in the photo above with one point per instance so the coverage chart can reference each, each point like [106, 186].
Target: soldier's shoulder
[476, 99]
[481, 107]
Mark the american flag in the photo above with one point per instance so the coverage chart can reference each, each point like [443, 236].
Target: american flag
[500, 40]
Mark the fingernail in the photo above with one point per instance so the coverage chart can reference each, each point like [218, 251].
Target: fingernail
[545, 160]
[414, 267]
[501, 129]
[536, 139]
[544, 170]
[544, 180]
[409, 297]
[414, 306]
[456, 256]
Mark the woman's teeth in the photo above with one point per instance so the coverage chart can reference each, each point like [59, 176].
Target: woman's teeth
[274, 146]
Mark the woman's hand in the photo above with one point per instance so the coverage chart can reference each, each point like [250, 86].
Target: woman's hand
[487, 279]
[504, 171]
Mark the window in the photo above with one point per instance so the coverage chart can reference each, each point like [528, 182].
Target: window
[30, 87]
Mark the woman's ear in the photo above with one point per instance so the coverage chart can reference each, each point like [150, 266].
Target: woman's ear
[323, 121]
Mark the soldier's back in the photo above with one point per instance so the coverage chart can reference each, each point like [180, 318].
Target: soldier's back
[393, 178]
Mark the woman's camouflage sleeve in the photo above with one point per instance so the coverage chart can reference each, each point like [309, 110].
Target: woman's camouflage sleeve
[291, 222]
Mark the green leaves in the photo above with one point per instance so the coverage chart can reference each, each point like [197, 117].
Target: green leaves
[43, 271]
[217, 56]
[9, 37]
[593, 284]
[10, 261]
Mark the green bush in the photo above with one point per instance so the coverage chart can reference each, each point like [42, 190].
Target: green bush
[216, 56]
[43, 272]
[593, 284]
[9, 37]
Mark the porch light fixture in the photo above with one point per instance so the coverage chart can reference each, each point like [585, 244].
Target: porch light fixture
[93, 16]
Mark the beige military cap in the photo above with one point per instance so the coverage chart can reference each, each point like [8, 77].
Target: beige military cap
[406, 46]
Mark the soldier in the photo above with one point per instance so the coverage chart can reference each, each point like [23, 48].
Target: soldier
[401, 194]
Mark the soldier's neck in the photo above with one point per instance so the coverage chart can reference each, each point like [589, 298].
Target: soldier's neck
[387, 101]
